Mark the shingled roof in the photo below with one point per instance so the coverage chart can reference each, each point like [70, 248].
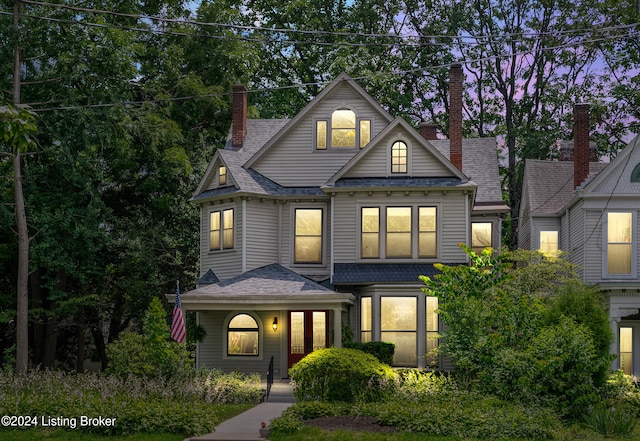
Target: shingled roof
[372, 273]
[550, 183]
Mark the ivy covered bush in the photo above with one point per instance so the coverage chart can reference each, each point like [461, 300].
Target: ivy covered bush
[340, 374]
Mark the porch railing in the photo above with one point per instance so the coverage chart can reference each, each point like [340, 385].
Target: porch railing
[269, 378]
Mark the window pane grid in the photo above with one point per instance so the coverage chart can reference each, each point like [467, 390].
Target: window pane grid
[399, 157]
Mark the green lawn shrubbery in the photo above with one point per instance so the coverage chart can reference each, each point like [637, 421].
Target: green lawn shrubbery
[383, 351]
[340, 374]
[188, 406]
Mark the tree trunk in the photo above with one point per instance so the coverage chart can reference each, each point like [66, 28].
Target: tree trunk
[22, 301]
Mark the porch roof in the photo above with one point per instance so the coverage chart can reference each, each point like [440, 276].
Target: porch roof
[372, 273]
[267, 287]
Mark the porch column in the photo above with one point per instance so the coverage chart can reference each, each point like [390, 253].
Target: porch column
[337, 327]
[614, 321]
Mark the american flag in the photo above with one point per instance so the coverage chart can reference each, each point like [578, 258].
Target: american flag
[178, 330]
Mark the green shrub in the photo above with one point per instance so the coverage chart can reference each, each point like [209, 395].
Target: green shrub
[383, 351]
[151, 353]
[611, 420]
[186, 406]
[340, 374]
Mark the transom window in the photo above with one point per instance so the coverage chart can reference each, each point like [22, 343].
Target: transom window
[399, 157]
[308, 235]
[409, 232]
[242, 335]
[481, 233]
[221, 230]
[343, 130]
[619, 243]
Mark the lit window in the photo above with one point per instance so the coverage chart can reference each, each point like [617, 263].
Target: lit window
[398, 241]
[365, 319]
[308, 235]
[222, 175]
[365, 132]
[427, 244]
[408, 232]
[242, 335]
[626, 350]
[221, 230]
[343, 128]
[321, 135]
[549, 243]
[432, 331]
[619, 243]
[399, 157]
[398, 325]
[370, 246]
[481, 233]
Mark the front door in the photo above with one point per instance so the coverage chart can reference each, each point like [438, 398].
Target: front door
[308, 331]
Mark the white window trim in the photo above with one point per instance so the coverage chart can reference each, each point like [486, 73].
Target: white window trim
[225, 343]
[324, 241]
[634, 246]
[415, 206]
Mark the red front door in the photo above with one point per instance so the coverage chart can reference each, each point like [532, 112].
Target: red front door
[308, 331]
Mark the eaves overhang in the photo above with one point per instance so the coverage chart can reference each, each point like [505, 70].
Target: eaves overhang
[269, 301]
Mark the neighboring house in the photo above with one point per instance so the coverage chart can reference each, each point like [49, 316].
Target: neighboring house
[589, 211]
[326, 220]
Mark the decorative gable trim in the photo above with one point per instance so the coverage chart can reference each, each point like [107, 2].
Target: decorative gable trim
[327, 91]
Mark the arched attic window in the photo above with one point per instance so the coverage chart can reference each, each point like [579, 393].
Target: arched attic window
[635, 174]
[343, 130]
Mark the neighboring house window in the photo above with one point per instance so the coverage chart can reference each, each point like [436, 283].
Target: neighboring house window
[365, 319]
[398, 232]
[308, 235]
[481, 234]
[635, 174]
[370, 240]
[342, 130]
[399, 157]
[398, 325]
[221, 230]
[619, 243]
[549, 243]
[222, 175]
[432, 331]
[242, 335]
[626, 350]
[405, 234]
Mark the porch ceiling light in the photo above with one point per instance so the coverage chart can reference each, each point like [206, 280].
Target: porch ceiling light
[274, 325]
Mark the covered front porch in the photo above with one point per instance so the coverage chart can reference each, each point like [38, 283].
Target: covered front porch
[267, 312]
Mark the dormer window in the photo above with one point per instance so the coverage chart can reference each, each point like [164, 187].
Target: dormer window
[222, 175]
[342, 131]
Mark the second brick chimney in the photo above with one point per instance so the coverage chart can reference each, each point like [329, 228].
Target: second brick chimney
[455, 115]
[429, 131]
[581, 154]
[238, 115]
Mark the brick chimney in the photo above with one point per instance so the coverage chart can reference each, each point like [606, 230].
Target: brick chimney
[238, 115]
[581, 154]
[455, 115]
[429, 131]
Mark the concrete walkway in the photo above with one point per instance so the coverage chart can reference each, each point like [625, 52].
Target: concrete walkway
[245, 427]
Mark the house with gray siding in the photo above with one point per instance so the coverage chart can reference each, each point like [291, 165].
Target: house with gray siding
[589, 210]
[324, 222]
